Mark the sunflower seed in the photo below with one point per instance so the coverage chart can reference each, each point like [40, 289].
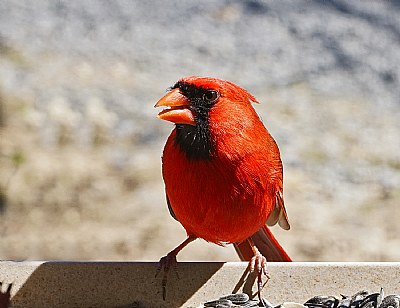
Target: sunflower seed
[223, 306]
[292, 305]
[371, 301]
[250, 304]
[361, 299]
[322, 302]
[390, 301]
[239, 298]
[265, 303]
[359, 296]
[345, 302]
[221, 303]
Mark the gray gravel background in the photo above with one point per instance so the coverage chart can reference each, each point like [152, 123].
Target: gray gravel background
[80, 145]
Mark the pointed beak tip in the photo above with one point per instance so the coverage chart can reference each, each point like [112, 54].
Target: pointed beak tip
[177, 110]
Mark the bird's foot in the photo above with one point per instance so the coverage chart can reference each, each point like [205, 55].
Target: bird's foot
[258, 264]
[165, 263]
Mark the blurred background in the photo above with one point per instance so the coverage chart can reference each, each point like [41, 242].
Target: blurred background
[80, 147]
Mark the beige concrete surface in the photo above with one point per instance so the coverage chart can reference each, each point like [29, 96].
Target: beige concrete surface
[133, 284]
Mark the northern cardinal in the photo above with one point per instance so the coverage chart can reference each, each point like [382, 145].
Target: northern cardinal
[222, 171]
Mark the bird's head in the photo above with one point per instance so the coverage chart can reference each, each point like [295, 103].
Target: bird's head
[199, 106]
[190, 100]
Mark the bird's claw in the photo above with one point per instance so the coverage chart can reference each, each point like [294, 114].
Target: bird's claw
[258, 264]
[166, 263]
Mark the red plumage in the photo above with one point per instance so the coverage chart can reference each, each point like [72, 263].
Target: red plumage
[229, 192]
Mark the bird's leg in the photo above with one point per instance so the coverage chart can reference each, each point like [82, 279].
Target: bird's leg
[258, 263]
[169, 261]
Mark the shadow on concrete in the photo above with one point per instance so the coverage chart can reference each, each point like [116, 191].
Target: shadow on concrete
[110, 284]
[5, 296]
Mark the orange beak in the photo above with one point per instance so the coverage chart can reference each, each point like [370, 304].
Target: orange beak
[178, 110]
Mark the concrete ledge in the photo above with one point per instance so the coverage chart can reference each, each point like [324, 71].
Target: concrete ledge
[132, 284]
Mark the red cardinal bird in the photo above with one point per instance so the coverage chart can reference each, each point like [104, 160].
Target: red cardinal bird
[222, 171]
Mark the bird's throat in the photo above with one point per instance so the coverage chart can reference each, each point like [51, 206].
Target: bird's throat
[195, 141]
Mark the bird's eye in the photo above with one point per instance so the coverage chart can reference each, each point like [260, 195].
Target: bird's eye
[211, 96]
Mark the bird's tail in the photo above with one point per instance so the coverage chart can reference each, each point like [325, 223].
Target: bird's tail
[266, 243]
